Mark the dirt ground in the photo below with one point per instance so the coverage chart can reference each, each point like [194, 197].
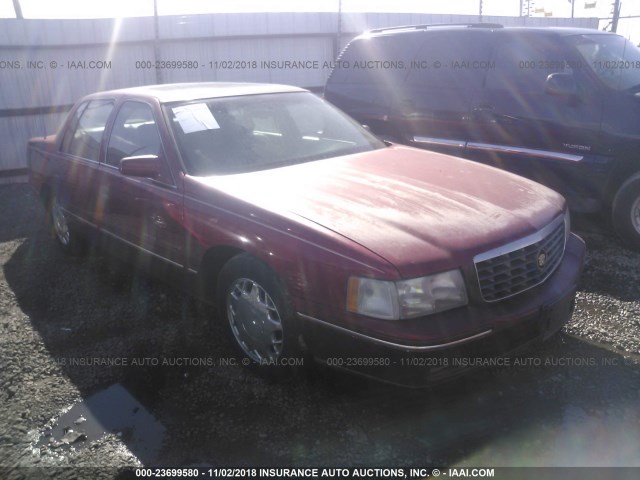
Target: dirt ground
[68, 326]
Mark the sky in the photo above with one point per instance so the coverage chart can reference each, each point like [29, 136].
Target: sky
[133, 8]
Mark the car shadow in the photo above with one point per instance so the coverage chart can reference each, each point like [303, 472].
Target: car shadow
[18, 199]
[196, 405]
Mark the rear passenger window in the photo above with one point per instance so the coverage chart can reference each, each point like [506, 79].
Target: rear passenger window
[375, 59]
[451, 61]
[86, 130]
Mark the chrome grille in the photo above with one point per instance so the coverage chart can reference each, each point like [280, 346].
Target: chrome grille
[514, 268]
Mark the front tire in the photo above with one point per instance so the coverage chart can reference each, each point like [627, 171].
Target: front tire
[626, 212]
[255, 306]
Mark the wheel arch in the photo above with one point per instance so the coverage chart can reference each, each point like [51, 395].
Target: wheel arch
[212, 262]
[618, 178]
[45, 194]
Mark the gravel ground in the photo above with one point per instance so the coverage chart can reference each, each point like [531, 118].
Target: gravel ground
[575, 402]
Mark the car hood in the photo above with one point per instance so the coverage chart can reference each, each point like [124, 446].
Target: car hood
[411, 207]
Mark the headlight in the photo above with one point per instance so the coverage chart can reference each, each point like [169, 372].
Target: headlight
[374, 298]
[406, 298]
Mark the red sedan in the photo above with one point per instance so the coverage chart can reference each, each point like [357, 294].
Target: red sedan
[312, 236]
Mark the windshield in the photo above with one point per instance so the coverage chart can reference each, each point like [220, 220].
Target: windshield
[615, 60]
[256, 132]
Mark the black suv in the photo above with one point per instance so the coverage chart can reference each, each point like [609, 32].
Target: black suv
[558, 105]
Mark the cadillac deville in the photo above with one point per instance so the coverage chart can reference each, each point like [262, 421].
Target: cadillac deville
[310, 235]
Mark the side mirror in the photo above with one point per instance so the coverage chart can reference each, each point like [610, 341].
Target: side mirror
[561, 84]
[141, 166]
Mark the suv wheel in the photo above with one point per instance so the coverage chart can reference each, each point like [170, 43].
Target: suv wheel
[626, 212]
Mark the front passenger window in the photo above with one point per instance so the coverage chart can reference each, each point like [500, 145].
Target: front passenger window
[522, 66]
[135, 133]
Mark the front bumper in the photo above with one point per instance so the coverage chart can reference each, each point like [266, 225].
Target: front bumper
[498, 330]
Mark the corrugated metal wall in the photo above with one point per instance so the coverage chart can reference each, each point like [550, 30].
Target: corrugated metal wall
[45, 65]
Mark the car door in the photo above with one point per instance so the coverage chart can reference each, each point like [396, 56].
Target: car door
[145, 214]
[443, 81]
[539, 116]
[80, 151]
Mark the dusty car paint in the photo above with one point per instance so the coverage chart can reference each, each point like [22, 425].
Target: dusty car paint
[390, 213]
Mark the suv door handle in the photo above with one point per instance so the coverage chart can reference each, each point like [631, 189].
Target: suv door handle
[484, 113]
[483, 109]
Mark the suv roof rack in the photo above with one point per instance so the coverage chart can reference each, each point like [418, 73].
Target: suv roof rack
[431, 25]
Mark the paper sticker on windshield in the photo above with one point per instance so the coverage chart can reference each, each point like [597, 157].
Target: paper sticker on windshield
[195, 118]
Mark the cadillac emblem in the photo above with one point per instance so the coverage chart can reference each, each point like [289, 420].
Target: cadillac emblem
[542, 259]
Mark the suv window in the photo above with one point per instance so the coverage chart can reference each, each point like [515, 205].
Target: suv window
[523, 65]
[87, 128]
[376, 58]
[613, 59]
[451, 60]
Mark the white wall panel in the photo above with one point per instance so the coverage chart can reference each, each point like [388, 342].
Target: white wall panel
[15, 132]
[203, 38]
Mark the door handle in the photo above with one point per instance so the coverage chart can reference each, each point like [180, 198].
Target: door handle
[158, 221]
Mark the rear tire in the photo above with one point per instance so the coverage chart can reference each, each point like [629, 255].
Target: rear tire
[62, 230]
[626, 212]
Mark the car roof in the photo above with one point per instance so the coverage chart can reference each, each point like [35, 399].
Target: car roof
[481, 27]
[177, 92]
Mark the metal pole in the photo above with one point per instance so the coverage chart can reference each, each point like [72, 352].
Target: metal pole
[18, 9]
[573, 6]
[336, 49]
[616, 16]
[156, 43]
